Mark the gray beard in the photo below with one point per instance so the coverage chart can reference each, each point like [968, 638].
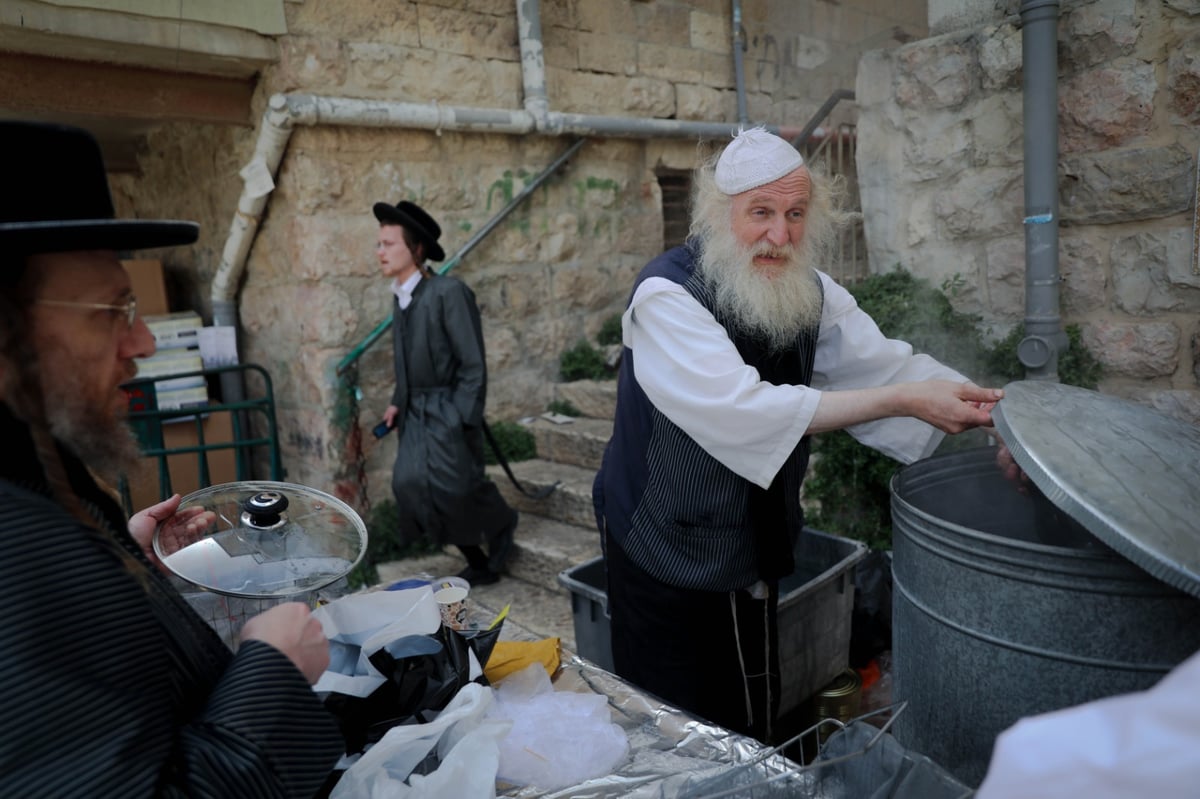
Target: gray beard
[775, 309]
[107, 446]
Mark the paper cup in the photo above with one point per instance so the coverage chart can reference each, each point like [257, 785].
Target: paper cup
[450, 582]
[452, 604]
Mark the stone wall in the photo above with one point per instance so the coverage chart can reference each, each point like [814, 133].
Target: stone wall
[549, 274]
[940, 165]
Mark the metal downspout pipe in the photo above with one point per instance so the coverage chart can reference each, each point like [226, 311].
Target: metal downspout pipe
[1045, 338]
[739, 74]
[533, 61]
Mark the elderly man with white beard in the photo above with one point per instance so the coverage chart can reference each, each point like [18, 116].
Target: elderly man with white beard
[737, 349]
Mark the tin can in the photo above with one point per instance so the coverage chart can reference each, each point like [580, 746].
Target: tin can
[839, 700]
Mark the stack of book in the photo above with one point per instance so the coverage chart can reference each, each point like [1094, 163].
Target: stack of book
[176, 338]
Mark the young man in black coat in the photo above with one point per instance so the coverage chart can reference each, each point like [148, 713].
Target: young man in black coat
[438, 401]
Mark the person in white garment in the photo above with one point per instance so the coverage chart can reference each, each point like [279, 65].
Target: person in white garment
[1136, 744]
[736, 350]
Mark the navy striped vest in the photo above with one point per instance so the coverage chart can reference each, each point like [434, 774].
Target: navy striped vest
[677, 512]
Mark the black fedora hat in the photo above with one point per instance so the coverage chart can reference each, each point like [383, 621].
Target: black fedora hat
[413, 217]
[54, 196]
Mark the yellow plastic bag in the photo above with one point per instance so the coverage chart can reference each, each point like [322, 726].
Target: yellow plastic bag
[512, 656]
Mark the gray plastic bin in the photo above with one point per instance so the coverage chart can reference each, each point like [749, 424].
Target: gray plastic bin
[815, 606]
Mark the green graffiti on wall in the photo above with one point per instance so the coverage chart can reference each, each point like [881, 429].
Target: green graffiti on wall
[590, 184]
[504, 188]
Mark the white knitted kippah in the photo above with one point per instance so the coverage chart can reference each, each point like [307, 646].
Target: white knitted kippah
[753, 158]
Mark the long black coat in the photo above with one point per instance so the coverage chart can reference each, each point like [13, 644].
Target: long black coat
[441, 389]
[113, 686]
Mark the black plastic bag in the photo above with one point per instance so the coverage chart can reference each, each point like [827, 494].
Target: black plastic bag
[423, 673]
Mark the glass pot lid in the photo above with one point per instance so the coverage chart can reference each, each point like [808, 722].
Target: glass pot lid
[1125, 472]
[261, 539]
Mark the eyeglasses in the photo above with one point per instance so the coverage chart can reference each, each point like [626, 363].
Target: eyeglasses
[128, 308]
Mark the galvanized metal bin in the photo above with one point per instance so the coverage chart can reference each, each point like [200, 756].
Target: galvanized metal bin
[816, 602]
[1007, 603]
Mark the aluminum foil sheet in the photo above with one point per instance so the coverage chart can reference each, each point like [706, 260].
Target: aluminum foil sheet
[674, 756]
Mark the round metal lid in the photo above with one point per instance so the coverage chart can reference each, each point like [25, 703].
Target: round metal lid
[261, 539]
[1125, 472]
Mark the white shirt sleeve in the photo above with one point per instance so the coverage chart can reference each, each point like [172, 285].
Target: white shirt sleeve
[694, 375]
[854, 353]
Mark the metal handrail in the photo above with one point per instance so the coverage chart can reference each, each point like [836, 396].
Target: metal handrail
[474, 241]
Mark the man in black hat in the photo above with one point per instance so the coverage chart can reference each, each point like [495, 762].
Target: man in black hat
[437, 405]
[113, 685]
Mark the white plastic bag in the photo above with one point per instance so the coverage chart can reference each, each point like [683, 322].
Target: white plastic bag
[558, 739]
[468, 750]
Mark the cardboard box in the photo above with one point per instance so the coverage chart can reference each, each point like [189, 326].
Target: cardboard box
[184, 467]
[149, 285]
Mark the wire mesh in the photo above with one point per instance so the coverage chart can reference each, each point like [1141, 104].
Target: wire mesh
[855, 759]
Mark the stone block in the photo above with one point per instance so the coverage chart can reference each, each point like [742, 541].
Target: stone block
[607, 18]
[561, 48]
[310, 64]
[1107, 107]
[463, 31]
[1082, 265]
[681, 64]
[600, 52]
[662, 24]
[649, 97]
[980, 202]
[1183, 81]
[1006, 276]
[1000, 58]
[1093, 33]
[395, 23]
[712, 32]
[997, 138]
[1152, 272]
[703, 103]
[1142, 350]
[939, 74]
[937, 144]
[1111, 186]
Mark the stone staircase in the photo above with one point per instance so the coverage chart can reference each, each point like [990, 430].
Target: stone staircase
[555, 533]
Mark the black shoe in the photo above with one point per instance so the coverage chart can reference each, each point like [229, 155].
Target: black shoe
[476, 576]
[501, 545]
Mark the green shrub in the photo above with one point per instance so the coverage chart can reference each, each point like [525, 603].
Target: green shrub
[563, 407]
[383, 545]
[610, 331]
[583, 362]
[515, 441]
[847, 488]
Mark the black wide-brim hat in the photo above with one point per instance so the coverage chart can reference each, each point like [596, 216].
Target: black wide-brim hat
[413, 217]
[54, 196]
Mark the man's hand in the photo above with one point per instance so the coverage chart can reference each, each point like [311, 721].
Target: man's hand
[293, 630]
[952, 407]
[1009, 468]
[179, 530]
[390, 414]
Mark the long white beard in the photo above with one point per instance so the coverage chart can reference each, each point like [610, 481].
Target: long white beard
[773, 307]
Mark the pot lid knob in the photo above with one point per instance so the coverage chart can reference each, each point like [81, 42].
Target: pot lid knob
[264, 509]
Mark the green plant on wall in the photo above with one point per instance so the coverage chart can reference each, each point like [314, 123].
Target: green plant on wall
[610, 331]
[515, 441]
[564, 407]
[583, 362]
[847, 489]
